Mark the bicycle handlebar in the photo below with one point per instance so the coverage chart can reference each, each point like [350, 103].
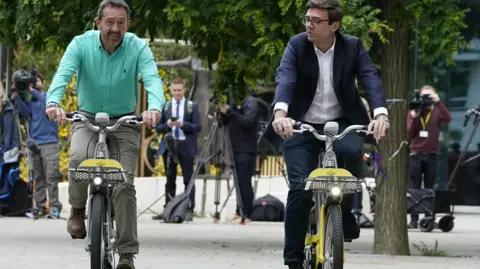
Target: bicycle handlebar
[77, 117]
[303, 127]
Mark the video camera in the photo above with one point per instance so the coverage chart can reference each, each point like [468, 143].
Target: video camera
[23, 81]
[419, 101]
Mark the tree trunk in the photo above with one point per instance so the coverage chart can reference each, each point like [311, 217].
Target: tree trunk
[391, 234]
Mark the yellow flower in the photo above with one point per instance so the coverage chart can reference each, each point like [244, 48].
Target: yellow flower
[63, 132]
[162, 73]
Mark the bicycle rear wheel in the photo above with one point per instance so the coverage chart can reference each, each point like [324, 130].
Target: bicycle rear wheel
[97, 232]
[333, 246]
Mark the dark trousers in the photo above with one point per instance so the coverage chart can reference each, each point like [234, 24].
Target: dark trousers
[421, 166]
[186, 163]
[245, 167]
[301, 154]
[357, 201]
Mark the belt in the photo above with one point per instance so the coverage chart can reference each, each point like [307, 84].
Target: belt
[92, 115]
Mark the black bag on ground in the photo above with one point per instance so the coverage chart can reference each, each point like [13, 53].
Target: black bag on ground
[176, 209]
[268, 208]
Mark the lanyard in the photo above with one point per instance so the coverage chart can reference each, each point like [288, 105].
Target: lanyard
[424, 122]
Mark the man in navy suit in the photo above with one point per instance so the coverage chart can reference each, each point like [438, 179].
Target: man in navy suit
[315, 83]
[182, 120]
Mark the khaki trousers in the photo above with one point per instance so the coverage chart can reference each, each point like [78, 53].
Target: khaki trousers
[124, 195]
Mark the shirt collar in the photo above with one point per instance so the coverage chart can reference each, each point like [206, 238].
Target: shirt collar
[330, 50]
[181, 100]
[99, 42]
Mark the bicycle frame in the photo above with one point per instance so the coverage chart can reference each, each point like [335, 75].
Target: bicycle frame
[101, 152]
[329, 194]
[101, 173]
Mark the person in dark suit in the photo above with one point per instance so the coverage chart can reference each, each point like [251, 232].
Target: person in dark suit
[243, 128]
[181, 119]
[315, 83]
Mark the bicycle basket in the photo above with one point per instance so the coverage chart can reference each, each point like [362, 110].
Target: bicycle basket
[324, 179]
[109, 170]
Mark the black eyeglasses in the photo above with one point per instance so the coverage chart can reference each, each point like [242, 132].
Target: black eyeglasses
[314, 20]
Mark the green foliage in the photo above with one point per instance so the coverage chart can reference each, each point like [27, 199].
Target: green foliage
[361, 20]
[46, 63]
[248, 37]
[52, 24]
[440, 25]
[7, 21]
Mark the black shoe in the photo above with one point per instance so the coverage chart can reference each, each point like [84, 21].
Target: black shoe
[350, 226]
[158, 217]
[413, 224]
[295, 266]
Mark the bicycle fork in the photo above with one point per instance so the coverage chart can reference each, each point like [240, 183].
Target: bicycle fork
[320, 216]
[320, 227]
[108, 223]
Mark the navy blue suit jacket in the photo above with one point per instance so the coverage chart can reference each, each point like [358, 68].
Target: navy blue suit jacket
[191, 127]
[297, 76]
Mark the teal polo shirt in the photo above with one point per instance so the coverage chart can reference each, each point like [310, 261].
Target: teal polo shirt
[108, 83]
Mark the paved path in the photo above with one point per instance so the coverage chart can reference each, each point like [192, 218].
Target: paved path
[44, 244]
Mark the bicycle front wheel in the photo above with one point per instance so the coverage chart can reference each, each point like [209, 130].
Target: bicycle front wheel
[97, 232]
[333, 246]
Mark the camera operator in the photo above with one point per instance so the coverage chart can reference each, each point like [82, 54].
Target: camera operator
[424, 120]
[243, 122]
[9, 144]
[43, 148]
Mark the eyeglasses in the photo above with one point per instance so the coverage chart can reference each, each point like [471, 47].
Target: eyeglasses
[314, 20]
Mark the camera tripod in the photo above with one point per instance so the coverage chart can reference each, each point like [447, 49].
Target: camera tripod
[476, 122]
[219, 132]
[263, 155]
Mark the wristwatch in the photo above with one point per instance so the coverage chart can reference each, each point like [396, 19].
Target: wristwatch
[52, 104]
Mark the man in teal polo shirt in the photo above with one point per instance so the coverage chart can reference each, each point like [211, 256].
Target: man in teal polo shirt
[107, 63]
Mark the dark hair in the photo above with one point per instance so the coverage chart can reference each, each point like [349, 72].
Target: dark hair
[333, 7]
[112, 3]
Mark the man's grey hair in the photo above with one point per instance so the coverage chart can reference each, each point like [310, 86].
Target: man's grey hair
[112, 3]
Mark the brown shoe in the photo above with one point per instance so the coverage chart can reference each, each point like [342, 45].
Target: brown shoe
[76, 223]
[126, 261]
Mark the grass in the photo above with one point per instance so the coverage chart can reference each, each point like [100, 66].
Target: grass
[430, 252]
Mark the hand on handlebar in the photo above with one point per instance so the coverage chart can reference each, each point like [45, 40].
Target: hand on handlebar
[151, 118]
[56, 113]
[378, 128]
[283, 126]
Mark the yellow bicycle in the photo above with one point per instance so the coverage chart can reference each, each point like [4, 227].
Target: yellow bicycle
[324, 243]
[101, 173]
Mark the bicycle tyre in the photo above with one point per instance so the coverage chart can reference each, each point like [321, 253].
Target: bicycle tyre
[97, 232]
[335, 239]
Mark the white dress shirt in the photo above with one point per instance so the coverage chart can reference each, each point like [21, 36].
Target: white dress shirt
[325, 106]
[181, 113]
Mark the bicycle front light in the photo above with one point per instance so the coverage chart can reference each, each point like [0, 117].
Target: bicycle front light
[97, 180]
[335, 191]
